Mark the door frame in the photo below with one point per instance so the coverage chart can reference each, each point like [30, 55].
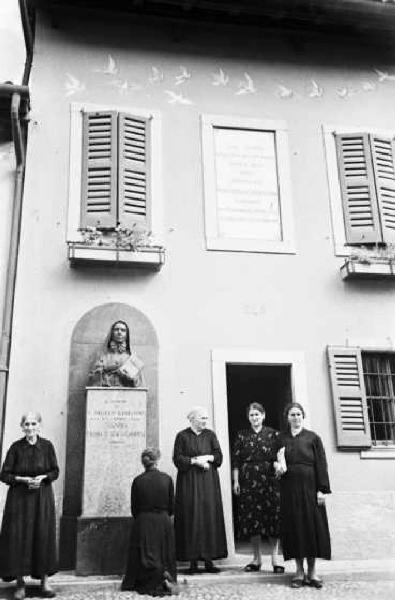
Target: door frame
[220, 357]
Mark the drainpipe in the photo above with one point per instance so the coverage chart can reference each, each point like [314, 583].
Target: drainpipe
[19, 139]
[28, 35]
[19, 97]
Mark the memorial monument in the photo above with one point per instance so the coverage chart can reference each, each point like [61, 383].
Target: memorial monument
[115, 435]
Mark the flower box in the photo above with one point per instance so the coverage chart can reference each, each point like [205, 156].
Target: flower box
[374, 268]
[150, 257]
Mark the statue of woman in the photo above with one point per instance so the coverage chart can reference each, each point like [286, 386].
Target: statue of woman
[117, 365]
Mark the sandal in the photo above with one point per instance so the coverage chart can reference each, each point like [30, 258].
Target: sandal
[252, 567]
[297, 582]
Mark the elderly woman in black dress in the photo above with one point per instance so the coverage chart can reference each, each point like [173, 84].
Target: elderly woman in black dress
[27, 538]
[304, 482]
[255, 483]
[151, 563]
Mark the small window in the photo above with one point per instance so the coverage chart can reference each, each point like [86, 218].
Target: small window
[363, 390]
[379, 376]
[361, 173]
[114, 170]
[246, 184]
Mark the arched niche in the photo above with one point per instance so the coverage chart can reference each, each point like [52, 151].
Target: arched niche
[87, 341]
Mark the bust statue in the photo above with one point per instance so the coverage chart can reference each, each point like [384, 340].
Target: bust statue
[117, 365]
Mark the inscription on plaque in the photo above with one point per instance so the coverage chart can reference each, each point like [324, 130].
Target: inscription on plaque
[247, 194]
[115, 438]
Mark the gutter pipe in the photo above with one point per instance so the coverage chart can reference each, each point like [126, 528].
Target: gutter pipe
[28, 35]
[19, 99]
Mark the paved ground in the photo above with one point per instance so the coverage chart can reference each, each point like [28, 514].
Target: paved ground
[332, 590]
[365, 580]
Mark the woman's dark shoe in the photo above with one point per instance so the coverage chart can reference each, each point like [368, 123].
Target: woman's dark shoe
[193, 569]
[252, 567]
[278, 569]
[297, 582]
[315, 583]
[210, 567]
[47, 593]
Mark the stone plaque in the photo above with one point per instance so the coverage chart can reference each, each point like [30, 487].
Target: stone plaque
[114, 439]
[247, 192]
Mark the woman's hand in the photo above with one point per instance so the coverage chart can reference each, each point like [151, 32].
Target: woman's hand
[320, 499]
[236, 488]
[206, 457]
[201, 462]
[23, 479]
[278, 469]
[35, 482]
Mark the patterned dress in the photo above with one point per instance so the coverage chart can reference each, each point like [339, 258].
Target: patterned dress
[259, 500]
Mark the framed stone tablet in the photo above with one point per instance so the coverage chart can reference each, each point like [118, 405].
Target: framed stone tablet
[246, 184]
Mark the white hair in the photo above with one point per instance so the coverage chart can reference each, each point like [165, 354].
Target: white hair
[195, 411]
[35, 414]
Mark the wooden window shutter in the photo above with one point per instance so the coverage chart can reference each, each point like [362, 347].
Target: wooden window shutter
[384, 170]
[349, 397]
[134, 174]
[356, 175]
[99, 170]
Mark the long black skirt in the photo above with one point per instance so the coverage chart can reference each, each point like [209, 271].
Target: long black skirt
[151, 557]
[28, 533]
[305, 531]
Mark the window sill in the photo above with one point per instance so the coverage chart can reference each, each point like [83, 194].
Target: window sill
[381, 453]
[352, 269]
[151, 258]
[241, 245]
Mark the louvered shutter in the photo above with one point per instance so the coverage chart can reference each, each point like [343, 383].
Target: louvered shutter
[356, 175]
[349, 397]
[99, 170]
[384, 170]
[134, 171]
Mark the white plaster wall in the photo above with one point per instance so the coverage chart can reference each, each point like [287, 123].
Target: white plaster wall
[200, 300]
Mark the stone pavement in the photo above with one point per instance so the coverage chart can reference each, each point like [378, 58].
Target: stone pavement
[346, 580]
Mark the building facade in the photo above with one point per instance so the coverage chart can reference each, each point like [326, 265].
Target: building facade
[262, 162]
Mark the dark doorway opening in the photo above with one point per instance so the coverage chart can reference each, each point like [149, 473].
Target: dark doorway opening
[268, 384]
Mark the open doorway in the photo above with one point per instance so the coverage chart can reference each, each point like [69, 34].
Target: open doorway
[268, 384]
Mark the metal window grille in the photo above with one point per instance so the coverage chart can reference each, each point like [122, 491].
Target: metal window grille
[379, 375]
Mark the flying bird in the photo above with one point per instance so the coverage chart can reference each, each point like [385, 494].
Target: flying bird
[345, 92]
[247, 86]
[368, 86]
[73, 85]
[156, 75]
[175, 98]
[111, 67]
[184, 76]
[316, 91]
[384, 76]
[285, 92]
[220, 78]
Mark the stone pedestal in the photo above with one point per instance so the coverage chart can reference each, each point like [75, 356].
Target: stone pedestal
[115, 436]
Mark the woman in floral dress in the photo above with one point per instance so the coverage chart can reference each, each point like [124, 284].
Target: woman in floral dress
[255, 484]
